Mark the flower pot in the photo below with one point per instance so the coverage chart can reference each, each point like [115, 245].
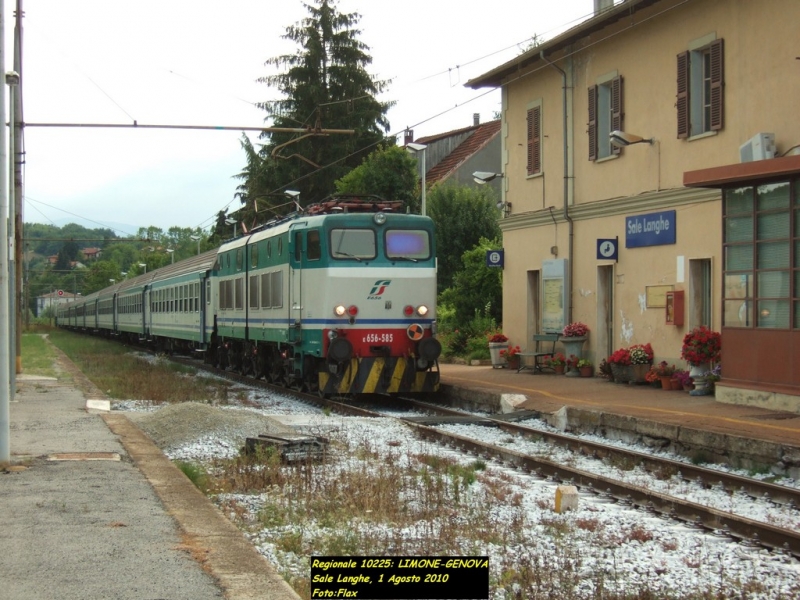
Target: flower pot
[559, 369]
[698, 372]
[622, 373]
[676, 384]
[666, 382]
[498, 361]
[639, 373]
[513, 362]
[688, 387]
[586, 371]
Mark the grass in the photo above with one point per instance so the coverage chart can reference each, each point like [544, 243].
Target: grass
[120, 373]
[38, 357]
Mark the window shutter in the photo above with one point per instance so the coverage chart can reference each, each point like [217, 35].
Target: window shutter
[593, 123]
[683, 95]
[534, 141]
[717, 83]
[616, 109]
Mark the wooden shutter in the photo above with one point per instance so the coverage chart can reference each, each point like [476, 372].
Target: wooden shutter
[717, 83]
[593, 123]
[683, 95]
[616, 109]
[534, 140]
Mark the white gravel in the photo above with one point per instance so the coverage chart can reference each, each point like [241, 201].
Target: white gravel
[627, 548]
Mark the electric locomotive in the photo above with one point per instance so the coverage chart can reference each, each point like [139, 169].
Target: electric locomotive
[340, 299]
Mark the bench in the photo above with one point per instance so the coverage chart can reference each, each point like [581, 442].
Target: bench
[544, 348]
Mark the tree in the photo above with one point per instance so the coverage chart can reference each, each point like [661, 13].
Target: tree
[99, 276]
[325, 85]
[390, 173]
[476, 289]
[463, 215]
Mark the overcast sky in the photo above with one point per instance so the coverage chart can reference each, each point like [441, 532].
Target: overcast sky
[195, 62]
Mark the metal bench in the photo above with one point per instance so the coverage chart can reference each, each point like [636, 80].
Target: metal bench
[544, 348]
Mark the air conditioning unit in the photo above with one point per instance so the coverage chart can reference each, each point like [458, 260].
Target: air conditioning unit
[759, 147]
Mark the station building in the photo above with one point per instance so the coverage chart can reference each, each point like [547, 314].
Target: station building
[651, 156]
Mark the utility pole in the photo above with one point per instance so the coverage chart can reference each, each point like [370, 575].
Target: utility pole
[16, 121]
[5, 342]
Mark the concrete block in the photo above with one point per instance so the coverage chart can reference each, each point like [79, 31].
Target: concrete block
[511, 402]
[566, 498]
[98, 405]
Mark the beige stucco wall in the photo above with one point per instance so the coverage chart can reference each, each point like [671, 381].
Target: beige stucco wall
[761, 80]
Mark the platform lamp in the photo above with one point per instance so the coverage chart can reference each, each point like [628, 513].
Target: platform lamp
[415, 148]
[196, 238]
[484, 177]
[144, 266]
[620, 139]
[171, 251]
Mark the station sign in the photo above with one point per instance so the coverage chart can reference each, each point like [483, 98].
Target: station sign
[652, 229]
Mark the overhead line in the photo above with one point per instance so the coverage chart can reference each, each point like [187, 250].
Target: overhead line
[136, 125]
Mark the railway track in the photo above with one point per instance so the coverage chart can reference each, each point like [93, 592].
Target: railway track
[721, 523]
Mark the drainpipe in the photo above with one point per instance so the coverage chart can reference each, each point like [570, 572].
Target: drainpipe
[566, 180]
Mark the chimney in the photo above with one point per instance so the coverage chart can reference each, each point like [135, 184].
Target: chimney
[602, 6]
[408, 137]
[476, 118]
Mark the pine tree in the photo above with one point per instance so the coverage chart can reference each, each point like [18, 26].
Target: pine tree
[325, 85]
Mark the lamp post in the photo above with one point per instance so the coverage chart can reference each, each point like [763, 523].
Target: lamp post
[484, 177]
[144, 266]
[420, 148]
[171, 252]
[196, 238]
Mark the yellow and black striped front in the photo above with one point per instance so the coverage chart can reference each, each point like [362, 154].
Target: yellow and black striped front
[379, 375]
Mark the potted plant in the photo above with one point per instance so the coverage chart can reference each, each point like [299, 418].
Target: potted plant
[641, 359]
[497, 343]
[682, 376]
[664, 371]
[558, 361]
[572, 338]
[701, 347]
[585, 367]
[511, 354]
[620, 362]
[653, 378]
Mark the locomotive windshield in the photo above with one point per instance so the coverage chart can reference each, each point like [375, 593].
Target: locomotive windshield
[356, 244]
[409, 244]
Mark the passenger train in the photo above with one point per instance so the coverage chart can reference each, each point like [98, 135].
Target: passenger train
[339, 298]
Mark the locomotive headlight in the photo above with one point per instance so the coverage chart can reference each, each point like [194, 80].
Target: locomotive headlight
[339, 311]
[422, 310]
[379, 218]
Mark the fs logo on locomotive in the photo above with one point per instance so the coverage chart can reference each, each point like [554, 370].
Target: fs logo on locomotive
[378, 289]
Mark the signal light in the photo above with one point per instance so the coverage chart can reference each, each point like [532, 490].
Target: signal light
[408, 310]
[352, 310]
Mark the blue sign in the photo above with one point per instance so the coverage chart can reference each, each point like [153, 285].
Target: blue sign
[607, 249]
[494, 258]
[653, 229]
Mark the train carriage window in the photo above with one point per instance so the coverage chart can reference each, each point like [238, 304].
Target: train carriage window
[239, 293]
[409, 244]
[314, 251]
[280, 246]
[269, 248]
[228, 259]
[253, 291]
[208, 292]
[276, 289]
[298, 246]
[254, 256]
[185, 298]
[353, 244]
[265, 295]
[239, 259]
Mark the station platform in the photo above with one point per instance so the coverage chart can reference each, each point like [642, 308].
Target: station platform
[636, 412]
